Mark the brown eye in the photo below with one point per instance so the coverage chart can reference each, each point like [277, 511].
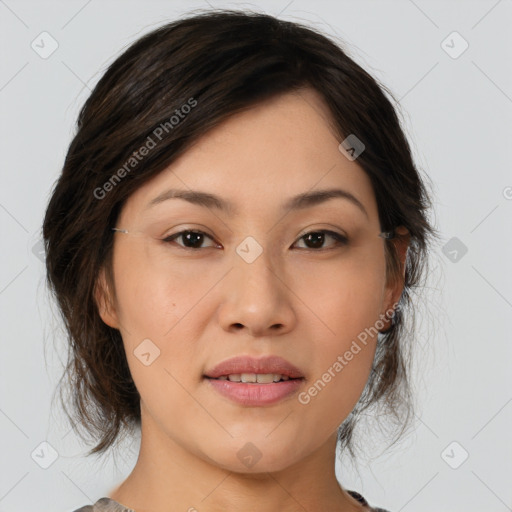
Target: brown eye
[191, 239]
[316, 239]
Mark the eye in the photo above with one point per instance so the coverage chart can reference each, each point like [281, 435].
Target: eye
[192, 239]
[317, 238]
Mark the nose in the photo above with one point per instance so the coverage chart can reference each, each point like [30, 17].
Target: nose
[257, 298]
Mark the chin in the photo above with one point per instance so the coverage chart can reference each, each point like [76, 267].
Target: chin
[247, 458]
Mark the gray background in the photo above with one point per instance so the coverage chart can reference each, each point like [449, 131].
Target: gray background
[457, 113]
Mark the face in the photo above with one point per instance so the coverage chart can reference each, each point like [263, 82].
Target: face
[260, 279]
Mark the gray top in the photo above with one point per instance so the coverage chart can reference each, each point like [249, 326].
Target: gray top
[109, 505]
[105, 505]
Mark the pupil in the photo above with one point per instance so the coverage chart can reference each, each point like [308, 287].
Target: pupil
[196, 238]
[318, 239]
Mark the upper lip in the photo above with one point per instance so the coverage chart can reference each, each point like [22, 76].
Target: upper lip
[248, 364]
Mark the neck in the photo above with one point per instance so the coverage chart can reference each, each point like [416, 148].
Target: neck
[168, 475]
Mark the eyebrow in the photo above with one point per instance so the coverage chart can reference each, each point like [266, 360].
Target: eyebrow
[299, 202]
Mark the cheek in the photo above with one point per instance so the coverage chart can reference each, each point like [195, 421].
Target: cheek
[156, 336]
[344, 293]
[334, 391]
[346, 299]
[159, 306]
[150, 303]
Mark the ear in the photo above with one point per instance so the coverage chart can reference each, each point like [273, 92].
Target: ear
[104, 300]
[395, 287]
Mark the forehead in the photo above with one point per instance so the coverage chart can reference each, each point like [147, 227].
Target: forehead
[258, 159]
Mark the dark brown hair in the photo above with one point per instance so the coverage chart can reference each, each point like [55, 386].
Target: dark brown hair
[218, 63]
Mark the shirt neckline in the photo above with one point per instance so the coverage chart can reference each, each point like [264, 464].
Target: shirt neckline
[106, 501]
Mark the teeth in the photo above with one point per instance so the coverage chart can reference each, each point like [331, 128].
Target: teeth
[260, 378]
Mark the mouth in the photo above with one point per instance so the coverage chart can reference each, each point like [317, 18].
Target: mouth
[255, 390]
[255, 378]
[251, 381]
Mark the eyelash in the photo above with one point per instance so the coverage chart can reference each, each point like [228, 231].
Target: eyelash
[340, 239]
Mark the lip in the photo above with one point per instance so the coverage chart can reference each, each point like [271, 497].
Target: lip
[251, 394]
[248, 364]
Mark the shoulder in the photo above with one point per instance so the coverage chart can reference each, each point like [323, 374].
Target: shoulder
[86, 508]
[104, 505]
[363, 501]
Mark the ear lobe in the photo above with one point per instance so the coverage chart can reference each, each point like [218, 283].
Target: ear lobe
[104, 302]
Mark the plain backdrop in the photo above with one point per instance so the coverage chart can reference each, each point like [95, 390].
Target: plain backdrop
[448, 64]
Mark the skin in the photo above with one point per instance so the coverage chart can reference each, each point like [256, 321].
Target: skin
[204, 307]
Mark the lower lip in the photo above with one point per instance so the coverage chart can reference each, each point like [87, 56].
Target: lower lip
[247, 393]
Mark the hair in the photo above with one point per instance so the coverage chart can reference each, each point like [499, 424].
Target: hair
[184, 78]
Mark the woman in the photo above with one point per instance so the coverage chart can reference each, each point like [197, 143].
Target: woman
[232, 242]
